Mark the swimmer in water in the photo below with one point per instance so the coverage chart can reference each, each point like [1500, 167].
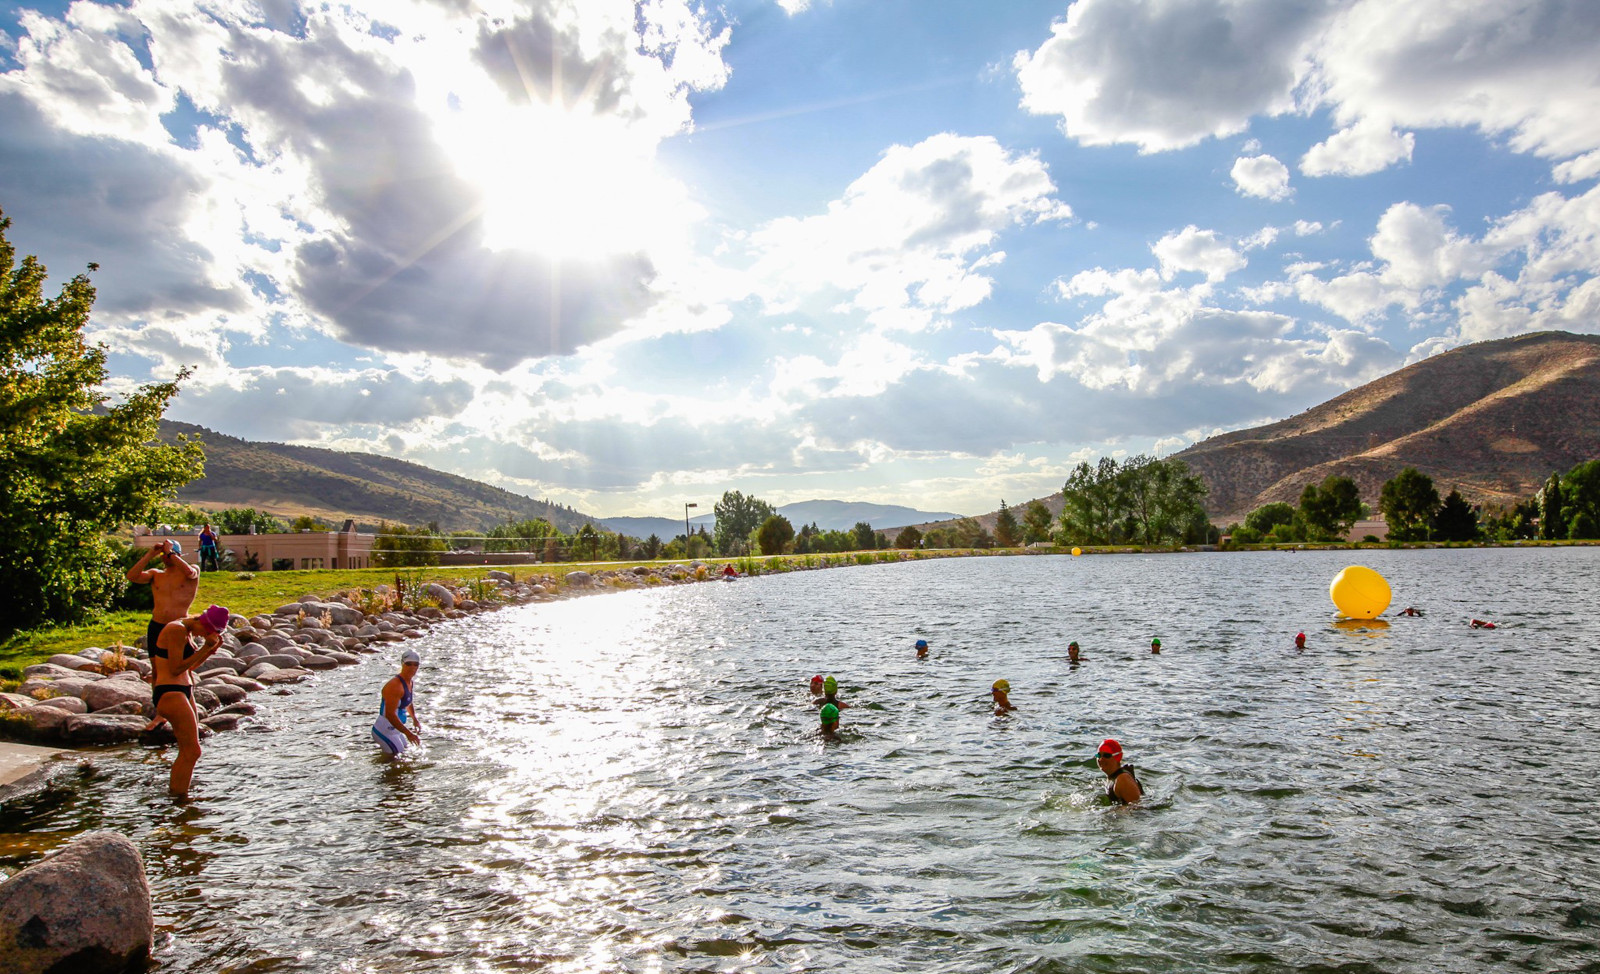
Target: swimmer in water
[830, 721]
[394, 705]
[1072, 654]
[1155, 647]
[922, 649]
[1002, 702]
[816, 687]
[830, 695]
[1299, 640]
[1122, 788]
[1411, 611]
[1480, 624]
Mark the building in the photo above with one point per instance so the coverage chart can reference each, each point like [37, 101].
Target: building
[273, 552]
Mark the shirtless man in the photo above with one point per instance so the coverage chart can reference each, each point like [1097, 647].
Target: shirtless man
[172, 586]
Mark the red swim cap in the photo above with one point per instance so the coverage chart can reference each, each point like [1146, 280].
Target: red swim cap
[1111, 748]
[1299, 636]
[817, 678]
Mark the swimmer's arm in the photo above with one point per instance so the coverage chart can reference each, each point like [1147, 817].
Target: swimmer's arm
[138, 575]
[1127, 789]
[183, 666]
[391, 707]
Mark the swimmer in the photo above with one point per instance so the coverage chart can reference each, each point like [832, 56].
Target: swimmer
[728, 571]
[1411, 611]
[816, 686]
[1002, 702]
[1480, 624]
[1299, 640]
[1122, 788]
[922, 649]
[1072, 654]
[830, 720]
[830, 694]
[389, 730]
[1155, 647]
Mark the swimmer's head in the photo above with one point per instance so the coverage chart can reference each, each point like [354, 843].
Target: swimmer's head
[1109, 750]
[1004, 686]
[922, 644]
[830, 714]
[410, 658]
[1299, 639]
[816, 681]
[1156, 643]
[215, 618]
[830, 685]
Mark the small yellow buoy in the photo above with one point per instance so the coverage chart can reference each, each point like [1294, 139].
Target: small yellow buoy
[1076, 552]
[1359, 592]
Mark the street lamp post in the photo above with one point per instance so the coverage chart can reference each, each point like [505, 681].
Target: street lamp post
[686, 551]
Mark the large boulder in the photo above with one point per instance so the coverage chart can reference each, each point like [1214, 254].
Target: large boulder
[342, 615]
[222, 663]
[103, 728]
[242, 708]
[74, 662]
[279, 660]
[109, 693]
[71, 705]
[273, 641]
[242, 682]
[292, 674]
[43, 723]
[320, 663]
[17, 701]
[579, 579]
[442, 595]
[40, 687]
[250, 652]
[48, 671]
[498, 576]
[222, 722]
[205, 699]
[225, 693]
[85, 909]
[125, 707]
[259, 670]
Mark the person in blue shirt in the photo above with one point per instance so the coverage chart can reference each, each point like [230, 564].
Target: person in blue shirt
[389, 730]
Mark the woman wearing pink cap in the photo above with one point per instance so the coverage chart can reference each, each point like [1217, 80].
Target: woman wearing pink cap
[1124, 788]
[172, 661]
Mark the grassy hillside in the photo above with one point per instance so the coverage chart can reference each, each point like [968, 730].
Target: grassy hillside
[294, 480]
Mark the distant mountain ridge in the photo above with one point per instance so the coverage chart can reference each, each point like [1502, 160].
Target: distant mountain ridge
[290, 481]
[828, 515]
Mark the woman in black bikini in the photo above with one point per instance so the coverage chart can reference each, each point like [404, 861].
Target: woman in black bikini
[172, 662]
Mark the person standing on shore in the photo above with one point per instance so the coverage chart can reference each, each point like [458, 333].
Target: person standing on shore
[172, 662]
[172, 586]
[390, 730]
[208, 549]
[1122, 788]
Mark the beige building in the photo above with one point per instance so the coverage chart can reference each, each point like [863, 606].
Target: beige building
[307, 549]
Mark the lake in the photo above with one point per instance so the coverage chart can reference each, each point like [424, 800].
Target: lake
[633, 782]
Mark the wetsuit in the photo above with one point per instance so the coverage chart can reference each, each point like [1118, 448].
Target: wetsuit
[389, 737]
[1111, 784]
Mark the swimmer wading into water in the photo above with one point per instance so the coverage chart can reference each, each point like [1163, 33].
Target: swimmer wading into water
[389, 730]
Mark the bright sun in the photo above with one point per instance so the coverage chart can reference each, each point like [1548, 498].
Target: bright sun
[563, 183]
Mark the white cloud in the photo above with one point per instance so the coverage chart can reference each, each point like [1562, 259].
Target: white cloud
[1193, 249]
[912, 238]
[1163, 74]
[1262, 176]
[1363, 148]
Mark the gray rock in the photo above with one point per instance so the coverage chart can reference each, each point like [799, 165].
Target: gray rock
[311, 622]
[260, 669]
[109, 693]
[251, 651]
[279, 660]
[498, 576]
[343, 659]
[579, 579]
[127, 675]
[261, 623]
[382, 637]
[641, 569]
[431, 613]
[103, 728]
[342, 615]
[225, 693]
[71, 705]
[73, 662]
[44, 723]
[85, 910]
[292, 609]
[120, 709]
[304, 638]
[242, 682]
[18, 701]
[535, 590]
[222, 663]
[320, 663]
[222, 722]
[205, 699]
[48, 671]
[445, 597]
[93, 652]
[274, 641]
[289, 675]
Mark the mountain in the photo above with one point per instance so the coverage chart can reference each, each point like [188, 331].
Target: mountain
[828, 515]
[1492, 419]
[293, 480]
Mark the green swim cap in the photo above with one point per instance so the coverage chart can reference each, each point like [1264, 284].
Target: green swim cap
[1155, 642]
[830, 714]
[830, 684]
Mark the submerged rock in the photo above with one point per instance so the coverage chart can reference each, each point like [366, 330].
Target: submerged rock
[85, 909]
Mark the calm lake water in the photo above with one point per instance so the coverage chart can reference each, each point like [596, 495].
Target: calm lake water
[632, 782]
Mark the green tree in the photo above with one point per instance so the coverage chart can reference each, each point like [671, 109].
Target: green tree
[865, 539]
[1329, 511]
[239, 520]
[1036, 522]
[399, 546]
[774, 535]
[1580, 494]
[908, 537]
[1456, 520]
[1092, 504]
[74, 467]
[308, 522]
[737, 516]
[520, 536]
[652, 547]
[1582, 527]
[1520, 522]
[1268, 516]
[1552, 519]
[1409, 502]
[938, 538]
[588, 539]
[1007, 532]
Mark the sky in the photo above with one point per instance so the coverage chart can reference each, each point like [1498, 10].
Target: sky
[627, 256]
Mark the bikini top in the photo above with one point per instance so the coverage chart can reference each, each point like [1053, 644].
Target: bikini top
[188, 649]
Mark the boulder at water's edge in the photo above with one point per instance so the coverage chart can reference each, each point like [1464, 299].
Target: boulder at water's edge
[84, 909]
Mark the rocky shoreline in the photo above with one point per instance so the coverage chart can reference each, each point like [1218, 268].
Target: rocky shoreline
[101, 696]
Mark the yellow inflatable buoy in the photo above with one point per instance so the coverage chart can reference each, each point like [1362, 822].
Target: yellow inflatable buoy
[1076, 552]
[1359, 592]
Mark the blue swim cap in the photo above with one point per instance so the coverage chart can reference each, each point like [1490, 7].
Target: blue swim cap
[922, 644]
